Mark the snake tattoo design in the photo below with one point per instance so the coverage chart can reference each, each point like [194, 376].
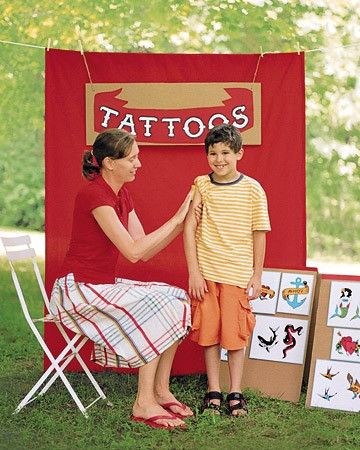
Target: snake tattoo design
[289, 339]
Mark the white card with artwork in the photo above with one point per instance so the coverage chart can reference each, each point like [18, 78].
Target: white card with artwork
[223, 354]
[344, 304]
[336, 385]
[346, 345]
[266, 302]
[295, 293]
[279, 339]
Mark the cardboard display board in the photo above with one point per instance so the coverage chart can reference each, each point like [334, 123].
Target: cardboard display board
[335, 360]
[275, 357]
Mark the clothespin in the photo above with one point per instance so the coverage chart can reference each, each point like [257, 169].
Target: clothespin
[298, 47]
[48, 44]
[81, 47]
[261, 52]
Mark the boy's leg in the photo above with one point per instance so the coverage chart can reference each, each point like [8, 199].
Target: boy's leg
[212, 362]
[206, 330]
[237, 323]
[236, 368]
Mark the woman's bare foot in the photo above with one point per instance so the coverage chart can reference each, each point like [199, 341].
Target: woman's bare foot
[149, 410]
[169, 401]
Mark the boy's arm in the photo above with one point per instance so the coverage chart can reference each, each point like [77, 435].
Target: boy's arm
[197, 284]
[259, 243]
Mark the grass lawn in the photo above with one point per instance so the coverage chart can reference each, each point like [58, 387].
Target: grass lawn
[56, 423]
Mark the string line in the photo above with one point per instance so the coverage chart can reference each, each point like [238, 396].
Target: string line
[21, 44]
[320, 49]
[257, 67]
[86, 64]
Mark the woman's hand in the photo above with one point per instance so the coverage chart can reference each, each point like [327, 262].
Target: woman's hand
[197, 286]
[183, 210]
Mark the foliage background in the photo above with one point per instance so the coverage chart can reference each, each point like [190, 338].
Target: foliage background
[200, 26]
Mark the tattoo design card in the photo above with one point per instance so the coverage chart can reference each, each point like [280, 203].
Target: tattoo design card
[344, 304]
[279, 339]
[223, 354]
[336, 385]
[266, 302]
[295, 293]
[346, 345]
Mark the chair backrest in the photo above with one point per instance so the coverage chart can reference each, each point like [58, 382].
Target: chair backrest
[19, 249]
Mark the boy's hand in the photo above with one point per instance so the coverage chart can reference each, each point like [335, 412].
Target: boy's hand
[253, 289]
[197, 286]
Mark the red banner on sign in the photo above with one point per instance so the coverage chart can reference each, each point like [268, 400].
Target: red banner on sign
[174, 113]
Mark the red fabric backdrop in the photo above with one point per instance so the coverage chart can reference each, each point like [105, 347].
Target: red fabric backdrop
[167, 172]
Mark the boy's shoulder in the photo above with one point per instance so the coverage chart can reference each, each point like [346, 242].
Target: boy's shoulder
[202, 180]
[255, 187]
[251, 180]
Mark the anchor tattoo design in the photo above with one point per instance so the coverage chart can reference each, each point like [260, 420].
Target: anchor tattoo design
[295, 293]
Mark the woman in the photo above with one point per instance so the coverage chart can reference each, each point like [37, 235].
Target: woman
[133, 324]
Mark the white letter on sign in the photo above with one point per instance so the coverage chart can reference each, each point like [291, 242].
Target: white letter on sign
[199, 122]
[128, 122]
[217, 116]
[147, 124]
[108, 113]
[240, 116]
[171, 126]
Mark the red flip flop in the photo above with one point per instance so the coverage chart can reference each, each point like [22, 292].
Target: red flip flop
[168, 406]
[151, 421]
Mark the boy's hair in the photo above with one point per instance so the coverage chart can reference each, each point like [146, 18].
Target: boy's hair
[225, 133]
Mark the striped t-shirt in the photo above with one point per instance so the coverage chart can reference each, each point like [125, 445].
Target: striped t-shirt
[224, 236]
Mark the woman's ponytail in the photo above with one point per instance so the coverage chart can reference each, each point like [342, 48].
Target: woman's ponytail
[113, 143]
[90, 167]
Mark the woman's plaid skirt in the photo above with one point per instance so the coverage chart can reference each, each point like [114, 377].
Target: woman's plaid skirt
[130, 322]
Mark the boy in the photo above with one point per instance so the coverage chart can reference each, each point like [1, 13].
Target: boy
[225, 256]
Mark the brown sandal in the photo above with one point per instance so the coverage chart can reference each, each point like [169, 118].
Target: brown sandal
[241, 406]
[208, 405]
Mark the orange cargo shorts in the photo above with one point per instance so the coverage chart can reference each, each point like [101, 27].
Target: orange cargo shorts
[223, 317]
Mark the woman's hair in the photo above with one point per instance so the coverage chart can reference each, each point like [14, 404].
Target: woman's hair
[112, 143]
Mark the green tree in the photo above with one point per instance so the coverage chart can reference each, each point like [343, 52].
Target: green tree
[204, 26]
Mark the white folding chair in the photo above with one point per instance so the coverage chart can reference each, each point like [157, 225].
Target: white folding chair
[19, 248]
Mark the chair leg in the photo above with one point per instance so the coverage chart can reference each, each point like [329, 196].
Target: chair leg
[66, 360]
[54, 366]
[91, 377]
[69, 358]
[81, 361]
